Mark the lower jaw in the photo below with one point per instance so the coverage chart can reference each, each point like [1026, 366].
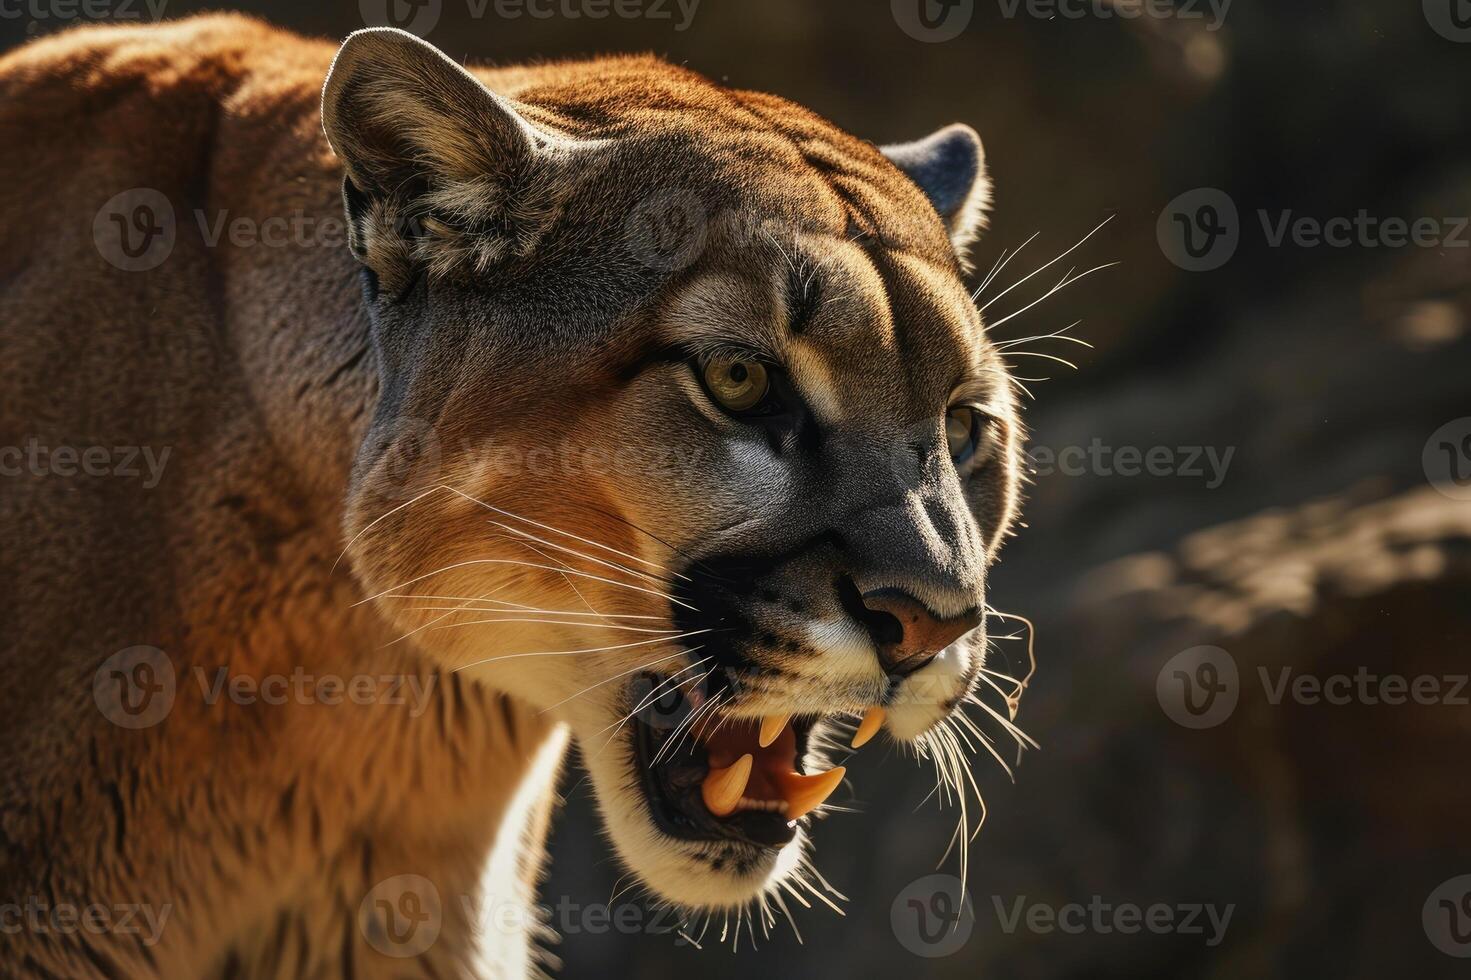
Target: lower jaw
[722, 874]
[752, 831]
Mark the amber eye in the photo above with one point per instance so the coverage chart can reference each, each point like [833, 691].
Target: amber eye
[962, 431]
[738, 385]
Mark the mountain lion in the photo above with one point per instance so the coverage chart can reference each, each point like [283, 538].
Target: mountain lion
[487, 412]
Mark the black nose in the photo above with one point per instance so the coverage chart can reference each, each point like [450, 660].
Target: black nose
[907, 634]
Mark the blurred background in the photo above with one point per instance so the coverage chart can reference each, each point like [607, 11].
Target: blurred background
[1247, 548]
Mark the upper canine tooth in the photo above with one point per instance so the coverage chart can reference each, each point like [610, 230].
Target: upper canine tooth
[868, 727]
[771, 727]
[723, 788]
[806, 793]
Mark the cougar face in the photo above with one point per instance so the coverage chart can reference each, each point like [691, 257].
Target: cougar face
[688, 434]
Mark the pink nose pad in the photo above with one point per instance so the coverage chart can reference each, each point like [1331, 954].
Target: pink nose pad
[917, 635]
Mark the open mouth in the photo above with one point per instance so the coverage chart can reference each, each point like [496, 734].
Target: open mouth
[709, 776]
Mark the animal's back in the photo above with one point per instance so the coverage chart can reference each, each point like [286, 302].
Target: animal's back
[141, 479]
[177, 298]
[115, 312]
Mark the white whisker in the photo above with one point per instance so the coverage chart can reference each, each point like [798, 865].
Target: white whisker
[555, 530]
[512, 617]
[1001, 265]
[518, 607]
[523, 564]
[617, 566]
[1054, 290]
[368, 527]
[1046, 357]
[568, 653]
[1045, 267]
[1054, 335]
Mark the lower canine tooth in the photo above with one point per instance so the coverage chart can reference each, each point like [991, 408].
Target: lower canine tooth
[868, 727]
[722, 788]
[771, 727]
[806, 793]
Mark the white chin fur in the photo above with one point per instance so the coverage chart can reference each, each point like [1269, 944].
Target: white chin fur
[920, 703]
[679, 871]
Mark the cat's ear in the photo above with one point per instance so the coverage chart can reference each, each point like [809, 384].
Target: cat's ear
[949, 165]
[439, 169]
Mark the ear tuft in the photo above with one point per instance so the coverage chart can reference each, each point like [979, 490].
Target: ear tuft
[949, 165]
[440, 171]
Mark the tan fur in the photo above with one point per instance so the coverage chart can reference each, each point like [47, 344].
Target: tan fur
[259, 827]
[263, 828]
